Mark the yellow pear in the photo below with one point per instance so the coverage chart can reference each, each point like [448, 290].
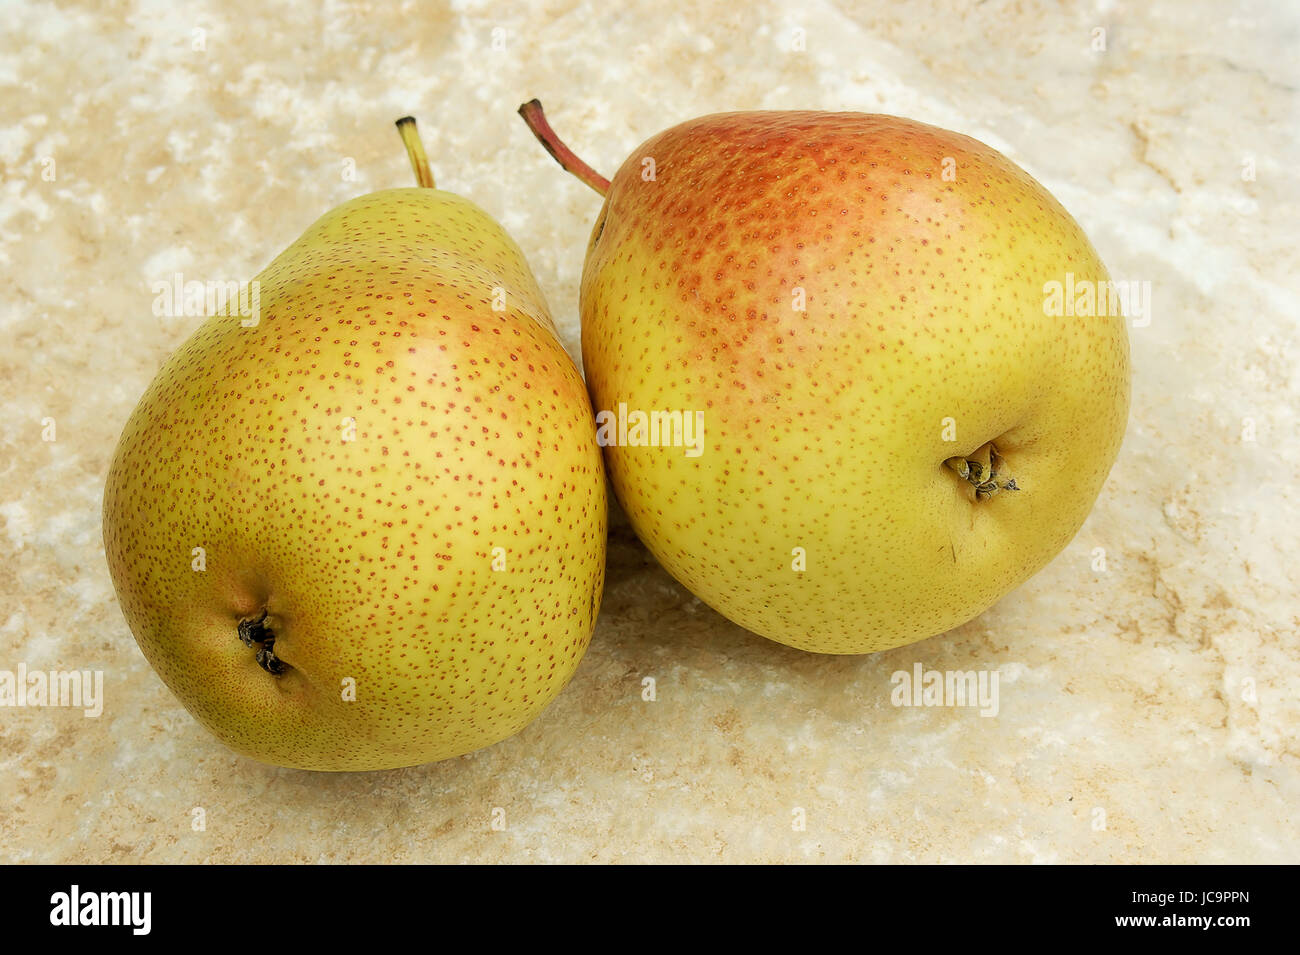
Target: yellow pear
[364, 526]
[909, 371]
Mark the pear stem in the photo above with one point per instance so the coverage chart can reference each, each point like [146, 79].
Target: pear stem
[415, 149]
[536, 120]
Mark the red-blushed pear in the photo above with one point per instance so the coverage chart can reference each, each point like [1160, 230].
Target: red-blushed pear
[900, 421]
[365, 528]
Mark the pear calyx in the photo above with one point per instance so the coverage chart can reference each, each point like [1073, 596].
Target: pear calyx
[987, 479]
[255, 633]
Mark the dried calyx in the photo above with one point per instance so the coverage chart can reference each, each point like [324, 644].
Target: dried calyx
[987, 479]
[255, 633]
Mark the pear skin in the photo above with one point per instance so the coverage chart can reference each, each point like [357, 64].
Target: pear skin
[898, 430]
[369, 530]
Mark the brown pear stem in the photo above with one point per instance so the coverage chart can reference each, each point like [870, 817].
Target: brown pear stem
[415, 149]
[536, 120]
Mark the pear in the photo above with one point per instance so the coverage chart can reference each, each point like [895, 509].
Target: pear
[908, 403]
[366, 528]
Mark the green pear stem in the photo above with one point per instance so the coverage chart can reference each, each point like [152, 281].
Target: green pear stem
[536, 120]
[415, 149]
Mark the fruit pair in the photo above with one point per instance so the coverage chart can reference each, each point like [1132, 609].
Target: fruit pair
[367, 530]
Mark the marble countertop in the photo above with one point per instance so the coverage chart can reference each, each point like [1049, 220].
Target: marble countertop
[1148, 712]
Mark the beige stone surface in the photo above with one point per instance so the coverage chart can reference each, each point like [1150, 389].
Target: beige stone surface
[1148, 712]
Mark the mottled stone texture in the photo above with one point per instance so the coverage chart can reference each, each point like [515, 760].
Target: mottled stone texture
[1148, 711]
